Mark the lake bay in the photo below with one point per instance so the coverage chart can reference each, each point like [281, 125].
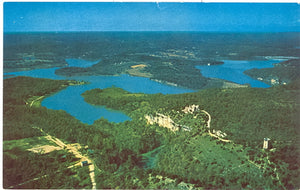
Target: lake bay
[233, 71]
[71, 101]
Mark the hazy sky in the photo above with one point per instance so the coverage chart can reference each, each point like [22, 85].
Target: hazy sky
[58, 16]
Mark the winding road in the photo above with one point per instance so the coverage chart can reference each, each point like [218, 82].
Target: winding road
[208, 126]
[225, 140]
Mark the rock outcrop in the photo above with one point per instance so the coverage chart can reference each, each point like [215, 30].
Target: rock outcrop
[191, 109]
[163, 121]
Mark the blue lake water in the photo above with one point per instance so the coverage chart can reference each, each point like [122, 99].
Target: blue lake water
[233, 71]
[71, 101]
[39, 73]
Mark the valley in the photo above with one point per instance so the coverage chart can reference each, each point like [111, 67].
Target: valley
[142, 114]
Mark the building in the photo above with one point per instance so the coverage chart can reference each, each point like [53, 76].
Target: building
[266, 143]
[84, 163]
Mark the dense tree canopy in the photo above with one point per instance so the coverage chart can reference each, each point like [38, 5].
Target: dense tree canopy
[136, 154]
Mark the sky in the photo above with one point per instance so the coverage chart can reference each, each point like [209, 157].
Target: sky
[130, 16]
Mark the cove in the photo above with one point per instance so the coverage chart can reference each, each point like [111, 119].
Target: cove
[72, 102]
[233, 71]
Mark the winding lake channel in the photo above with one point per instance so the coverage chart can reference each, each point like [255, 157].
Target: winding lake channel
[234, 71]
[71, 101]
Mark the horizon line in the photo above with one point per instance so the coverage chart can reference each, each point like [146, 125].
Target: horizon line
[136, 31]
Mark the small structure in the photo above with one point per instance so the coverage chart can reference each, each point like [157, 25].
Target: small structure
[219, 133]
[266, 143]
[84, 163]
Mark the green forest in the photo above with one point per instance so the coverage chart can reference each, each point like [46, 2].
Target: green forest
[283, 72]
[169, 56]
[138, 155]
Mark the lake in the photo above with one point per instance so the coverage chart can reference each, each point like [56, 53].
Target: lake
[233, 71]
[71, 101]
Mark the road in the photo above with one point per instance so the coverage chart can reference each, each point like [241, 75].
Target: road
[74, 150]
[208, 126]
[224, 140]
[209, 118]
[36, 100]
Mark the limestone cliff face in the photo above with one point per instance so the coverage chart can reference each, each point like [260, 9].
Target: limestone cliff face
[163, 121]
[191, 109]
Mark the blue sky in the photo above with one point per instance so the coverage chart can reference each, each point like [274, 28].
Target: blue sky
[219, 17]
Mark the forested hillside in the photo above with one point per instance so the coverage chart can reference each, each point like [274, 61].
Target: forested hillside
[137, 154]
[167, 56]
[282, 73]
[246, 115]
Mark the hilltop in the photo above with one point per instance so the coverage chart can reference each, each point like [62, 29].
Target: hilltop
[169, 57]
